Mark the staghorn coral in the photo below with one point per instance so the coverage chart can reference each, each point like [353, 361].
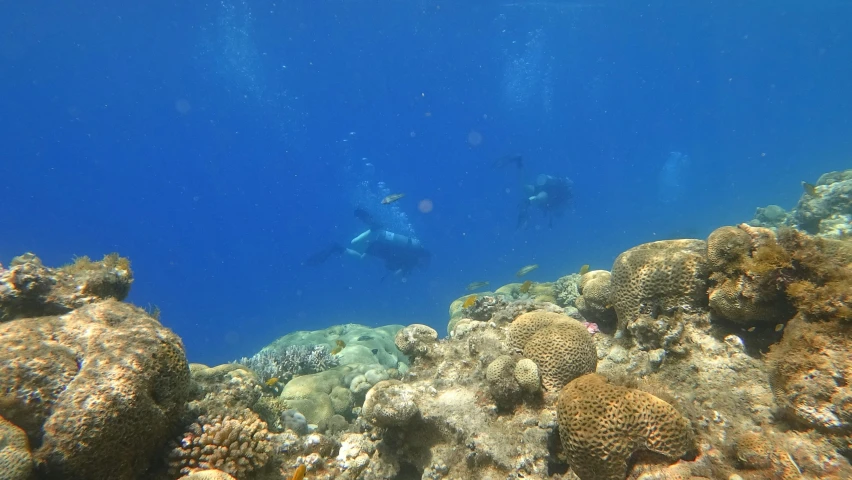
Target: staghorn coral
[293, 360]
[659, 279]
[602, 426]
[237, 445]
[563, 351]
[97, 390]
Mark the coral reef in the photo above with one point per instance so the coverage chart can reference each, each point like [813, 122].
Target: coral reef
[29, 289]
[828, 211]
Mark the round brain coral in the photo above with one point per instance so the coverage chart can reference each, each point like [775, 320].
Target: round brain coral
[602, 425]
[526, 325]
[594, 300]
[563, 351]
[527, 376]
[659, 278]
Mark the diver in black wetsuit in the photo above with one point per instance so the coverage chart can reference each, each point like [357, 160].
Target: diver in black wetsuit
[552, 195]
[401, 254]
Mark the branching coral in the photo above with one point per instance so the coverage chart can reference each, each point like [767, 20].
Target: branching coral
[235, 445]
[293, 360]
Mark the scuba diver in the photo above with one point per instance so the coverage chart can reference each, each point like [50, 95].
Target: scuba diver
[400, 253]
[552, 195]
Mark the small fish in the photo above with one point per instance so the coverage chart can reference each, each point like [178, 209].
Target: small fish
[392, 198]
[300, 472]
[751, 329]
[584, 269]
[525, 287]
[272, 382]
[476, 286]
[810, 189]
[469, 301]
[526, 270]
[779, 327]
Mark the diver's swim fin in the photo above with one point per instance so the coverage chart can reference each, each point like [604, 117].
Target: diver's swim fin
[365, 217]
[320, 257]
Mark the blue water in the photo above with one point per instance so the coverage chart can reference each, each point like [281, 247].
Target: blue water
[219, 145]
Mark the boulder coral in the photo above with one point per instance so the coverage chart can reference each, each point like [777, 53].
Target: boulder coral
[602, 426]
[97, 390]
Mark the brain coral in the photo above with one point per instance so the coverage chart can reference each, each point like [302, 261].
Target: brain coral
[98, 389]
[527, 376]
[594, 300]
[16, 463]
[563, 351]
[659, 278]
[526, 325]
[236, 445]
[602, 425]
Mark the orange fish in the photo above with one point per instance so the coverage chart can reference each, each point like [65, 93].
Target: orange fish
[300, 472]
[469, 301]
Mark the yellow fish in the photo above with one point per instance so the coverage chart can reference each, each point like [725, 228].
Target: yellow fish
[526, 270]
[525, 287]
[584, 269]
[272, 382]
[476, 286]
[392, 198]
[810, 189]
[469, 301]
[300, 472]
[340, 346]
